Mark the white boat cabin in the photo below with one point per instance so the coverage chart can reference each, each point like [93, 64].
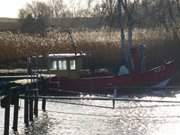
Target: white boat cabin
[65, 64]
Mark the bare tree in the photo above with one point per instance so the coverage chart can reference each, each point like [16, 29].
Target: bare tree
[163, 13]
[178, 5]
[22, 13]
[38, 8]
[34, 18]
[57, 8]
[152, 13]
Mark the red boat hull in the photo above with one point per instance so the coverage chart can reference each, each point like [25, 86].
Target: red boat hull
[146, 79]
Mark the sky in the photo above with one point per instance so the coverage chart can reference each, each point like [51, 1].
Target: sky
[10, 8]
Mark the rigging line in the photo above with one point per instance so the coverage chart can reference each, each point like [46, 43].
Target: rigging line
[82, 104]
[150, 106]
[118, 107]
[81, 93]
[79, 104]
[116, 116]
[145, 106]
[51, 111]
[86, 93]
[83, 114]
[104, 99]
[134, 107]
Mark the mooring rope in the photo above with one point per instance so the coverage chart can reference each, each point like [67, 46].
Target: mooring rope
[102, 98]
[79, 92]
[80, 104]
[115, 116]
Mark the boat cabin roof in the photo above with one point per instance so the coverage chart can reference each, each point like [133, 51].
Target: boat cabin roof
[62, 55]
[66, 55]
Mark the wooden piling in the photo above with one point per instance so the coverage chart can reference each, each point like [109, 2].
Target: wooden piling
[31, 109]
[36, 104]
[26, 110]
[43, 90]
[44, 104]
[114, 95]
[7, 115]
[113, 102]
[16, 112]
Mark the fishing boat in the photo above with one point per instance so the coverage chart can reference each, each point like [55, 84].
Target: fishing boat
[70, 76]
[67, 70]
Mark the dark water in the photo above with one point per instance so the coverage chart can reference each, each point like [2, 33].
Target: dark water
[128, 118]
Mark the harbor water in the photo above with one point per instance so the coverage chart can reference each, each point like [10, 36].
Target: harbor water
[87, 117]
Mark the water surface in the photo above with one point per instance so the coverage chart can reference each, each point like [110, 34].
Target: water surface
[98, 118]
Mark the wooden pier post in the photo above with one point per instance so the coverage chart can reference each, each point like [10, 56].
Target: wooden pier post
[7, 101]
[114, 95]
[44, 104]
[26, 110]
[31, 109]
[31, 106]
[43, 89]
[36, 104]
[16, 111]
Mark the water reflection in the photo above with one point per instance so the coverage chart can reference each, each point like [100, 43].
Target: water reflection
[39, 126]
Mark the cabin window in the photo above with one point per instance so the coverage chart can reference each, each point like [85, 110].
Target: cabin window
[62, 65]
[54, 65]
[72, 65]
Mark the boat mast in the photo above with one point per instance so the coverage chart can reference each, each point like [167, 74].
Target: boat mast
[125, 50]
[73, 43]
[122, 35]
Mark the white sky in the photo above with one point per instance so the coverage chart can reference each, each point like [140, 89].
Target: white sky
[10, 8]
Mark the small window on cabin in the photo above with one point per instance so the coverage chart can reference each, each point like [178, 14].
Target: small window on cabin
[62, 65]
[54, 65]
[72, 65]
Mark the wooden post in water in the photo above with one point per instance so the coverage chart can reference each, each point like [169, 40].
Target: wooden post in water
[114, 95]
[31, 108]
[7, 102]
[44, 87]
[16, 109]
[44, 104]
[26, 110]
[36, 104]
[30, 92]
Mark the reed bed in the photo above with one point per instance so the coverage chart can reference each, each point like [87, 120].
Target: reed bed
[102, 46]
